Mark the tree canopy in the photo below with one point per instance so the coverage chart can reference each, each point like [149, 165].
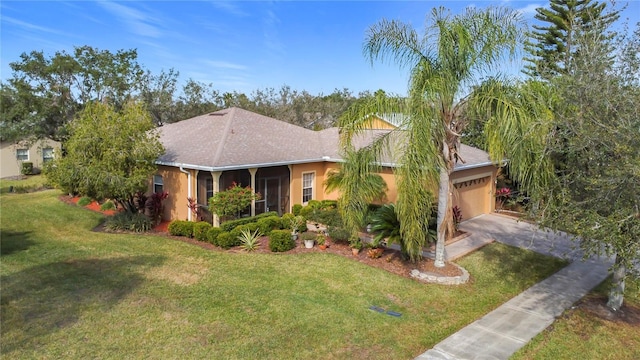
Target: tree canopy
[111, 154]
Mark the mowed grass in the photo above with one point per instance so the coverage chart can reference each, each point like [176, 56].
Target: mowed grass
[581, 334]
[68, 292]
[32, 182]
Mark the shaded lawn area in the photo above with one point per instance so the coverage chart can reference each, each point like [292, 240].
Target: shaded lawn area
[589, 331]
[30, 183]
[68, 292]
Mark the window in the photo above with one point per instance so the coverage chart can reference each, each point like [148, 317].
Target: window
[307, 187]
[158, 185]
[22, 154]
[47, 154]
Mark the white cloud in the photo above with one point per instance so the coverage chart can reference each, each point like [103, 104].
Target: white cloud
[530, 10]
[230, 7]
[139, 22]
[224, 65]
[28, 26]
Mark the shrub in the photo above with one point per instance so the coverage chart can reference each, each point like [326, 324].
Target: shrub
[308, 235]
[281, 241]
[108, 205]
[338, 234]
[181, 228]
[27, 168]
[249, 241]
[212, 235]
[295, 223]
[230, 202]
[230, 225]
[296, 209]
[226, 241]
[329, 217]
[328, 204]
[270, 223]
[84, 201]
[200, 230]
[126, 221]
[154, 205]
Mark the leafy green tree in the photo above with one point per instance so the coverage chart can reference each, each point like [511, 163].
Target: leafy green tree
[552, 45]
[49, 91]
[578, 157]
[158, 93]
[449, 58]
[110, 154]
[229, 203]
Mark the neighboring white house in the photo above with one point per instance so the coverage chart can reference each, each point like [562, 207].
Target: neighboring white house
[13, 154]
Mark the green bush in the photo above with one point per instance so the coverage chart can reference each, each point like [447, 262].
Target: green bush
[328, 217]
[270, 223]
[338, 234]
[308, 235]
[296, 209]
[126, 221]
[328, 204]
[181, 228]
[293, 222]
[226, 241]
[27, 168]
[212, 235]
[281, 241]
[84, 201]
[200, 230]
[230, 225]
[108, 205]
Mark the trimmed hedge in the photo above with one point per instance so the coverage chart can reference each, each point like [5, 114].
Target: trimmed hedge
[226, 240]
[270, 223]
[281, 241]
[232, 224]
[200, 230]
[181, 228]
[296, 209]
[27, 168]
[212, 235]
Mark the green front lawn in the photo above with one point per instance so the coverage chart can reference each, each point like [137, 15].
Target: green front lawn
[32, 182]
[68, 292]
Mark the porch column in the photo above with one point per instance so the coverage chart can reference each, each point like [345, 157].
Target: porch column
[290, 188]
[253, 172]
[216, 187]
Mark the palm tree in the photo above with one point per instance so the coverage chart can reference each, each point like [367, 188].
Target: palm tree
[444, 63]
[358, 186]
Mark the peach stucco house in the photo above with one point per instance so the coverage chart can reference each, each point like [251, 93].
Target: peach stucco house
[285, 163]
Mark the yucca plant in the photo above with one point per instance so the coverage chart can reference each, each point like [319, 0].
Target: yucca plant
[249, 240]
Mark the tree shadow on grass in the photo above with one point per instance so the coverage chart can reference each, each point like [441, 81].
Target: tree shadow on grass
[520, 267]
[44, 299]
[11, 242]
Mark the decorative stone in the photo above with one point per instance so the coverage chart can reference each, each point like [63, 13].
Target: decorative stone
[443, 280]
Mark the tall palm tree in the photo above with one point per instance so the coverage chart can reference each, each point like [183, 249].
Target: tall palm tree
[444, 63]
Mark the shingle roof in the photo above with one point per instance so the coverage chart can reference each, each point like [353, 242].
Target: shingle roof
[234, 138]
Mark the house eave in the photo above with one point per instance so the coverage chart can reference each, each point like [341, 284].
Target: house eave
[244, 166]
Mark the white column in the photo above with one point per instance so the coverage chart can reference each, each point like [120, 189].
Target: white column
[253, 172]
[290, 188]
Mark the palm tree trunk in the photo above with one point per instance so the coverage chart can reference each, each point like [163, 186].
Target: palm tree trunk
[443, 205]
[616, 293]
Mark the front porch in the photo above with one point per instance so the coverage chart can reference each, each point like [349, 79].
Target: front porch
[272, 183]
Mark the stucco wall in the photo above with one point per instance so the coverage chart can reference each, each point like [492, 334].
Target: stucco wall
[319, 168]
[176, 184]
[11, 166]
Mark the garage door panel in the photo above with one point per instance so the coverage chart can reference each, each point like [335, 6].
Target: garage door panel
[472, 197]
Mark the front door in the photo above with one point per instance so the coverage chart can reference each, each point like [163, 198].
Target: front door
[269, 189]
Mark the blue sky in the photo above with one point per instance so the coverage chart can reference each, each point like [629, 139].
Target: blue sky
[308, 45]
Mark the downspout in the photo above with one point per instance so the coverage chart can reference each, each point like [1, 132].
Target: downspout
[188, 188]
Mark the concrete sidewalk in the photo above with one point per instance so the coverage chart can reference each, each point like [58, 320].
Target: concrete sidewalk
[506, 329]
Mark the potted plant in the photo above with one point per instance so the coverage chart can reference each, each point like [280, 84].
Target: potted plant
[356, 244]
[376, 248]
[322, 241]
[309, 238]
[295, 223]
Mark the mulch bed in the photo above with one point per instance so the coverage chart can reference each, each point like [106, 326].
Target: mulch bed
[390, 260]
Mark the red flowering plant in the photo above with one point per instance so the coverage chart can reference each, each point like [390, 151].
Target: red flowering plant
[192, 204]
[154, 205]
[502, 195]
[229, 204]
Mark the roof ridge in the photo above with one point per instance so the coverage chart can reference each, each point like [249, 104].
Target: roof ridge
[225, 134]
